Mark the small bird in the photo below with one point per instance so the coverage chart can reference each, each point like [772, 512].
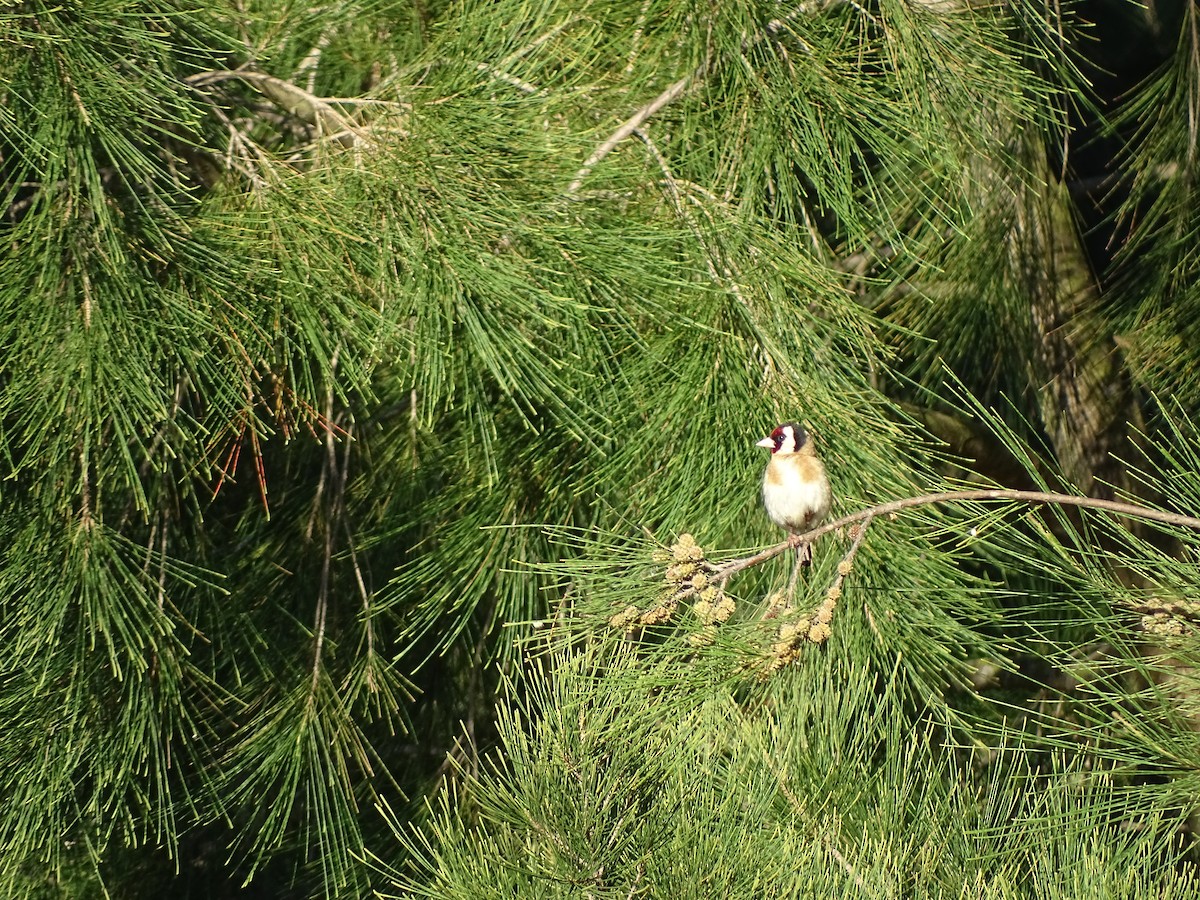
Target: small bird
[795, 487]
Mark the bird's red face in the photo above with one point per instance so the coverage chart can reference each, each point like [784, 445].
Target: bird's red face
[787, 438]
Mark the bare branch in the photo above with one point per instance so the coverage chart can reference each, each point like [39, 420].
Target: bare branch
[724, 571]
[304, 105]
[628, 127]
[523, 86]
[1035, 498]
[538, 41]
[310, 63]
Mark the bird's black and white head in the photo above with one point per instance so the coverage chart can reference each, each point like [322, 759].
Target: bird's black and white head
[787, 438]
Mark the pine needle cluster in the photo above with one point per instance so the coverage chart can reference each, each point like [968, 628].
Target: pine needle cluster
[379, 384]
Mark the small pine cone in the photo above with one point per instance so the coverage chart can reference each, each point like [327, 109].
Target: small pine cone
[820, 633]
[776, 606]
[660, 613]
[724, 608]
[1163, 624]
[680, 572]
[686, 549]
[625, 619]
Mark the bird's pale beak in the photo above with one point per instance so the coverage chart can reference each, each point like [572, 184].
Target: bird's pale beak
[767, 442]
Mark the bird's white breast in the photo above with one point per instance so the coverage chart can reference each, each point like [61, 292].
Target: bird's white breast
[796, 492]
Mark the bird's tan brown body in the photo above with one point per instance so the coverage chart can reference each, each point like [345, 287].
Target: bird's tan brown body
[795, 488]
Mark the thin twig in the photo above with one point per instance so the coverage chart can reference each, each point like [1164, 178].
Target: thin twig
[1032, 497]
[721, 573]
[85, 471]
[360, 580]
[538, 41]
[797, 565]
[819, 628]
[521, 85]
[848, 560]
[323, 590]
[336, 499]
[710, 253]
[162, 565]
[628, 127]
[633, 888]
[635, 43]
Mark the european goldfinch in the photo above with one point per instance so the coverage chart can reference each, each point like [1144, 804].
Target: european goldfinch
[795, 488]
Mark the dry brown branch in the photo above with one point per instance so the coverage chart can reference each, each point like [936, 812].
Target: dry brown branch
[720, 573]
[1033, 498]
[306, 106]
[320, 113]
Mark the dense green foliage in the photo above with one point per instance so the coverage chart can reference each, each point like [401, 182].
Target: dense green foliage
[362, 366]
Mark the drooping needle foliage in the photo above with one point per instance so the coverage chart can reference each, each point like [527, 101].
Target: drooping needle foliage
[379, 384]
